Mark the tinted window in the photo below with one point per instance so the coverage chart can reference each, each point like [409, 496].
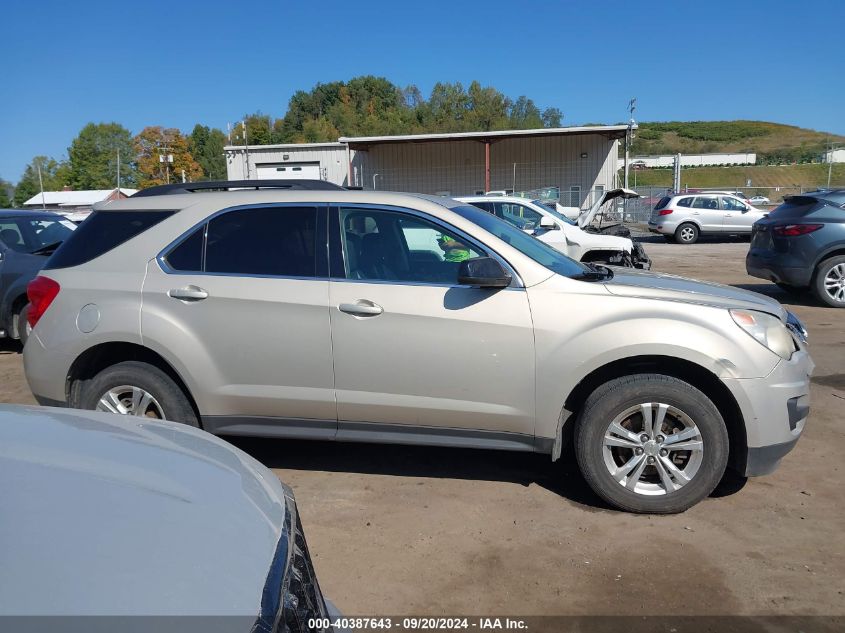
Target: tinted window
[394, 246]
[685, 202]
[279, 241]
[796, 207]
[187, 256]
[662, 202]
[529, 246]
[101, 232]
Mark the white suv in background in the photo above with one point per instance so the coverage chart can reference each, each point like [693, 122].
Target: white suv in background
[564, 234]
[684, 217]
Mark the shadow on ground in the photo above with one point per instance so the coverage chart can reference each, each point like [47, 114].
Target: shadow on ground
[562, 477]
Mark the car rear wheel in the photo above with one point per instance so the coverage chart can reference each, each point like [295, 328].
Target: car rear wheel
[651, 443]
[829, 284]
[687, 233]
[138, 389]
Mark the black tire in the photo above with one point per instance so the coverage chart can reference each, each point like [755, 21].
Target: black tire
[818, 286]
[612, 399]
[687, 233]
[22, 326]
[174, 404]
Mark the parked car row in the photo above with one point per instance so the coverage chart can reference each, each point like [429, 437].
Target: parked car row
[401, 318]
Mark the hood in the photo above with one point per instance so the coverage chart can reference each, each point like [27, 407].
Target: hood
[587, 216]
[114, 515]
[580, 237]
[631, 282]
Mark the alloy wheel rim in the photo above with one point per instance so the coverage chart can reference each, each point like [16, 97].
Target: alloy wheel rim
[653, 448]
[834, 283]
[130, 400]
[687, 234]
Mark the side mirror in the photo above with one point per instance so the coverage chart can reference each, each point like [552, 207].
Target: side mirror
[547, 223]
[484, 272]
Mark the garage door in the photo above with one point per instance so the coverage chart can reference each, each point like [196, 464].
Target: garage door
[288, 170]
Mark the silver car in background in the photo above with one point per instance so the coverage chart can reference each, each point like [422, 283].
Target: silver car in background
[401, 318]
[683, 218]
[125, 517]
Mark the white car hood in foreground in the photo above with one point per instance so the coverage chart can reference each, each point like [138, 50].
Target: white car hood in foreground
[630, 282]
[103, 514]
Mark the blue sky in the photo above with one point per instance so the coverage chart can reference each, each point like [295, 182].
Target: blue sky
[178, 63]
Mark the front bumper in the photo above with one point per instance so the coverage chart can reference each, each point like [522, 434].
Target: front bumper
[775, 410]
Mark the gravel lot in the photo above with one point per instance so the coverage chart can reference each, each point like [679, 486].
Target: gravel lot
[400, 530]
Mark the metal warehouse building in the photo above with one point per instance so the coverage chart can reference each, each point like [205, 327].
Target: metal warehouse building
[580, 161]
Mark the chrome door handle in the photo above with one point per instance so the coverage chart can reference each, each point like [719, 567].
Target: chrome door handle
[361, 308]
[188, 293]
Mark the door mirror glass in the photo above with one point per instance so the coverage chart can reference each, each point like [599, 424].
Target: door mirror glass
[547, 223]
[484, 272]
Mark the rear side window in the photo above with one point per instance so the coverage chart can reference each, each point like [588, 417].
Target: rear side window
[187, 256]
[101, 232]
[685, 202]
[796, 207]
[662, 203]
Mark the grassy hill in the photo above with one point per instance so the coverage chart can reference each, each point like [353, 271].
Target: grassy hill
[734, 177]
[774, 143]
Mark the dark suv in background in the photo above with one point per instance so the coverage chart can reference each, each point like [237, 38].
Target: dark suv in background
[801, 245]
[26, 239]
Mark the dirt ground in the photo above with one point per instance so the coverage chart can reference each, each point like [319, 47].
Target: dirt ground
[401, 530]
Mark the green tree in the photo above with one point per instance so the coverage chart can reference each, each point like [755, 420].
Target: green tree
[93, 157]
[552, 117]
[206, 146]
[53, 174]
[524, 114]
[259, 130]
[155, 142]
[6, 192]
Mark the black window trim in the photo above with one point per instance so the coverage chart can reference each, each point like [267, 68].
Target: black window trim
[335, 243]
[321, 228]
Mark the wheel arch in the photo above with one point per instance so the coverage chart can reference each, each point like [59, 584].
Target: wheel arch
[99, 357]
[696, 375]
[835, 251]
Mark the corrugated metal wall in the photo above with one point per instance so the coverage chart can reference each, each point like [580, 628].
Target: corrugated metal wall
[456, 167]
[331, 156]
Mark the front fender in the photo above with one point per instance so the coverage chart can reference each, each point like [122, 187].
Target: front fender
[578, 333]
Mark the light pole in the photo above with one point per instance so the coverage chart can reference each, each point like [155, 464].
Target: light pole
[374, 181]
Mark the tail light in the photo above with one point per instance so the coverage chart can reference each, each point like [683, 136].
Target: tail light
[665, 212]
[794, 230]
[41, 292]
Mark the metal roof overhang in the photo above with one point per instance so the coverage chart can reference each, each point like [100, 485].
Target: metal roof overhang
[364, 142]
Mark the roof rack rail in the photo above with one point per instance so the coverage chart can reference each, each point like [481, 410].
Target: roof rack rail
[226, 185]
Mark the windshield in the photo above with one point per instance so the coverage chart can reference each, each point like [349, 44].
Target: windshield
[531, 247]
[551, 209]
[32, 234]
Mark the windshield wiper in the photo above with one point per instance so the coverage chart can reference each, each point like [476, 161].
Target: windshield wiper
[596, 272]
[46, 250]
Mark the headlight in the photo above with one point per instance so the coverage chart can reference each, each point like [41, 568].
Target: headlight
[767, 330]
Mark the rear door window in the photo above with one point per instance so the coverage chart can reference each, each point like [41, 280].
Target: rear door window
[705, 203]
[101, 232]
[685, 202]
[271, 241]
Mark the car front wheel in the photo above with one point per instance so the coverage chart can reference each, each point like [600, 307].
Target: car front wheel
[138, 389]
[651, 443]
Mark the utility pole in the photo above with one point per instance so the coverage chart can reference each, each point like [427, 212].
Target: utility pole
[829, 161]
[629, 134]
[165, 158]
[246, 148]
[118, 173]
[41, 184]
